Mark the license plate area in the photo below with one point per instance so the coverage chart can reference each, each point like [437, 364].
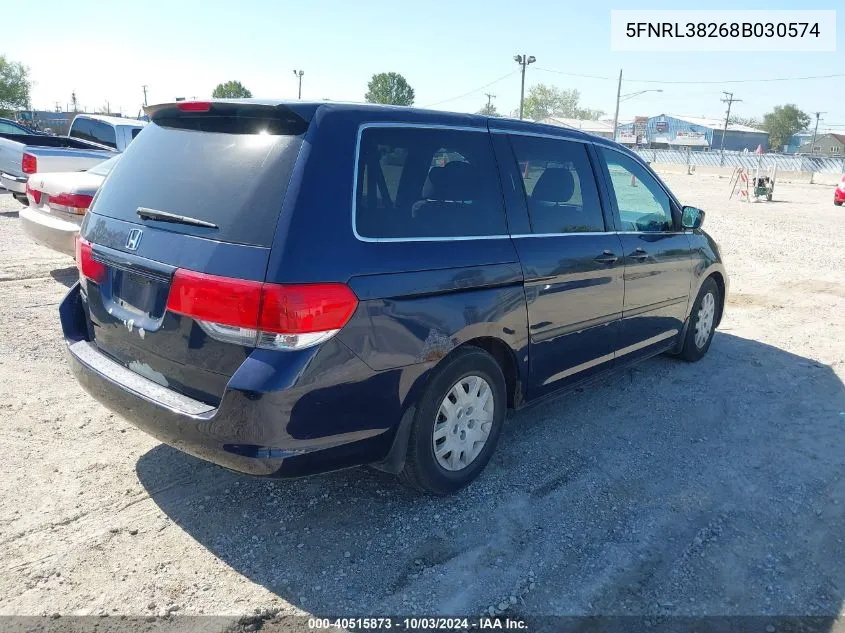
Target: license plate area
[138, 293]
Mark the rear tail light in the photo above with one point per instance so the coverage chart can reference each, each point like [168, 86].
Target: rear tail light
[76, 203]
[29, 164]
[88, 267]
[255, 314]
[33, 193]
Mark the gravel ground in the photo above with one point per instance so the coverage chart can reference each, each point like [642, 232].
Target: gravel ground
[671, 489]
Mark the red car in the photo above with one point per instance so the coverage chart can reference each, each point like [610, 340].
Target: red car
[839, 193]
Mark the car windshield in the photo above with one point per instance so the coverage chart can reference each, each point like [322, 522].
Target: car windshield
[105, 167]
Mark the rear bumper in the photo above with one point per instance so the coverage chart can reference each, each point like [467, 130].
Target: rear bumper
[278, 433]
[50, 231]
[15, 184]
[838, 195]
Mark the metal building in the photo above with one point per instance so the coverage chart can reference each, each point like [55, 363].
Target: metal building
[667, 131]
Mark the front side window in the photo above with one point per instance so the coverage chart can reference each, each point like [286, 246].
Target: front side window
[560, 188]
[427, 183]
[643, 204]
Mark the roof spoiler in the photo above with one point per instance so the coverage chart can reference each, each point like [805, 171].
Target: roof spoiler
[234, 116]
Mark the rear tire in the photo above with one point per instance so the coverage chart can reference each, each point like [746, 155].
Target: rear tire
[838, 203]
[457, 423]
[705, 312]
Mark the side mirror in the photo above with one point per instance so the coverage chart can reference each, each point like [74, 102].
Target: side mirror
[692, 218]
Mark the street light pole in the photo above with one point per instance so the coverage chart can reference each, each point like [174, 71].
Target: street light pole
[618, 95]
[815, 133]
[298, 74]
[621, 97]
[523, 60]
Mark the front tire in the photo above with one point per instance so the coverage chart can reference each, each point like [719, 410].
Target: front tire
[456, 424]
[705, 312]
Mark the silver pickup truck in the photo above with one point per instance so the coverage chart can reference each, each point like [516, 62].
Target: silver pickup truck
[91, 140]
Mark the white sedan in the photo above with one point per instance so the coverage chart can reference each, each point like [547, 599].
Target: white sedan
[58, 203]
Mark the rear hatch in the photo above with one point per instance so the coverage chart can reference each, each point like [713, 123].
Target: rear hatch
[199, 191]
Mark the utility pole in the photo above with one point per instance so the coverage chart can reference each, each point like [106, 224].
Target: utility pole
[298, 74]
[144, 88]
[74, 101]
[523, 60]
[730, 101]
[489, 97]
[616, 114]
[815, 133]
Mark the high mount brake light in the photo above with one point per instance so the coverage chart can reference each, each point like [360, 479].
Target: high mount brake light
[255, 314]
[194, 106]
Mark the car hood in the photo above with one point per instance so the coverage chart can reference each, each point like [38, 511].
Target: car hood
[66, 182]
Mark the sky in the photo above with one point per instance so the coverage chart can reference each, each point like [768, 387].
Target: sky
[448, 50]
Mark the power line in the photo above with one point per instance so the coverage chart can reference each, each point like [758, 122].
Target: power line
[685, 81]
[735, 81]
[560, 72]
[466, 94]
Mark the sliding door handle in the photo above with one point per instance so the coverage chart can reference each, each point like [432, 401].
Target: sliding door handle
[607, 257]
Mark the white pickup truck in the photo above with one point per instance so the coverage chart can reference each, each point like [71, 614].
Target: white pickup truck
[91, 140]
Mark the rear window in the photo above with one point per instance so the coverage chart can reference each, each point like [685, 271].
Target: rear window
[427, 183]
[233, 180]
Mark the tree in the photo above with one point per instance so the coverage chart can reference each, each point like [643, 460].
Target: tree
[14, 86]
[231, 90]
[749, 121]
[390, 88]
[545, 101]
[782, 122]
[489, 110]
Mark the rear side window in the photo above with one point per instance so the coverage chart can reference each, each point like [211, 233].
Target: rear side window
[8, 128]
[560, 188]
[103, 133]
[81, 128]
[427, 183]
[236, 181]
[95, 131]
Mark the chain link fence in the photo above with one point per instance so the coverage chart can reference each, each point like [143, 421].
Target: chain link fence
[818, 164]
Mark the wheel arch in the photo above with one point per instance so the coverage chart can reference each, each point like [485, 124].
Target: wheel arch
[719, 278]
[502, 354]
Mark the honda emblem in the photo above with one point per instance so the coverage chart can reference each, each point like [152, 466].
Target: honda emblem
[133, 239]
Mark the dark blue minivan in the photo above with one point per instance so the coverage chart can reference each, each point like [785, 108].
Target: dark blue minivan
[291, 288]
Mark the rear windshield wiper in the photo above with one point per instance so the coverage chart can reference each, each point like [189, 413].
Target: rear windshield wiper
[164, 216]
